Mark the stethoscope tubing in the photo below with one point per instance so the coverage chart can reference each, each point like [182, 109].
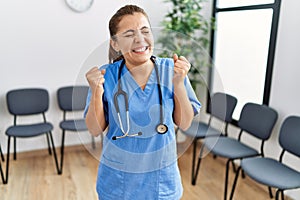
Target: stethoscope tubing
[161, 127]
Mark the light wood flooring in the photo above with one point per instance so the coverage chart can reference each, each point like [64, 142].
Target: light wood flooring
[33, 177]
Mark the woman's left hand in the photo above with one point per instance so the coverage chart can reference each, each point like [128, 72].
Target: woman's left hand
[181, 68]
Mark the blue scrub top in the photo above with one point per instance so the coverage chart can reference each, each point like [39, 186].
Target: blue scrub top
[141, 167]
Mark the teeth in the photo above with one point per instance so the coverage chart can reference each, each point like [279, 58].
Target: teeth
[140, 49]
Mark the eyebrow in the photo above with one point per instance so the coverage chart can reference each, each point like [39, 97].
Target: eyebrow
[128, 31]
[144, 27]
[132, 31]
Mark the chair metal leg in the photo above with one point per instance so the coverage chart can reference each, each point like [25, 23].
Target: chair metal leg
[194, 178]
[194, 158]
[15, 148]
[2, 174]
[226, 178]
[243, 174]
[282, 195]
[54, 153]
[93, 141]
[235, 182]
[1, 153]
[7, 159]
[49, 146]
[233, 166]
[1, 171]
[62, 151]
[277, 194]
[270, 192]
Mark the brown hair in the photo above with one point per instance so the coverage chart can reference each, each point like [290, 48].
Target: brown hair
[114, 56]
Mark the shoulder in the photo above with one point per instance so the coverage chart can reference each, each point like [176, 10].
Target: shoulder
[111, 69]
[166, 69]
[111, 66]
[165, 62]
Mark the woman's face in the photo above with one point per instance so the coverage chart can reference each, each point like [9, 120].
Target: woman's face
[134, 39]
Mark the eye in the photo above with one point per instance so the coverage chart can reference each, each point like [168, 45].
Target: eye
[129, 35]
[145, 32]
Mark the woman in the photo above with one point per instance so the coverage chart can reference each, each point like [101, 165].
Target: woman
[138, 98]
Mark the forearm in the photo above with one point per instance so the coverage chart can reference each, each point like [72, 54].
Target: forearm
[95, 118]
[183, 111]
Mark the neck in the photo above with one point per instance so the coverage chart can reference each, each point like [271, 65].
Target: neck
[141, 68]
[141, 72]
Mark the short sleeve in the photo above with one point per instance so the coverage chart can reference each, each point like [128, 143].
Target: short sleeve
[192, 96]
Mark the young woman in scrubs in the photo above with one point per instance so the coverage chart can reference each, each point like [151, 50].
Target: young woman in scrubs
[142, 165]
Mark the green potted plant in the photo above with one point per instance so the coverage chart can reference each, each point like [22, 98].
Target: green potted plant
[186, 32]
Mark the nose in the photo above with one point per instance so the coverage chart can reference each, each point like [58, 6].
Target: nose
[139, 37]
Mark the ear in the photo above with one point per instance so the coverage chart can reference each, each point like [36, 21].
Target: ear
[114, 45]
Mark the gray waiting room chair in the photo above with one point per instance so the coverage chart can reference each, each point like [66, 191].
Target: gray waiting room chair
[29, 102]
[72, 99]
[274, 173]
[256, 120]
[221, 108]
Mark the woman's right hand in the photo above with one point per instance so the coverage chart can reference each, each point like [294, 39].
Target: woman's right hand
[95, 78]
[95, 117]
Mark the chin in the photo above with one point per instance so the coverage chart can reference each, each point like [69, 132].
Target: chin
[141, 57]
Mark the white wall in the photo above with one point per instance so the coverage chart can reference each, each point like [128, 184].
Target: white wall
[45, 44]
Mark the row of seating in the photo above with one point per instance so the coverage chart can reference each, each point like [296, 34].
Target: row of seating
[258, 121]
[35, 101]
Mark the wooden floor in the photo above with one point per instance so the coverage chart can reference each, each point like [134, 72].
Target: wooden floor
[33, 177]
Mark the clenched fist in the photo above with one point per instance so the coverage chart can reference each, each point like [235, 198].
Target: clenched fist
[95, 78]
[181, 68]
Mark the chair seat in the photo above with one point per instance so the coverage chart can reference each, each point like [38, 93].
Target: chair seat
[229, 147]
[201, 130]
[73, 125]
[271, 172]
[29, 130]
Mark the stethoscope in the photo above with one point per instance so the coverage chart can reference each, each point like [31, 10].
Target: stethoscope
[161, 128]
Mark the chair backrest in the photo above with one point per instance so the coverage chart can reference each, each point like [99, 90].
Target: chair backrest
[27, 101]
[289, 137]
[258, 120]
[222, 106]
[72, 98]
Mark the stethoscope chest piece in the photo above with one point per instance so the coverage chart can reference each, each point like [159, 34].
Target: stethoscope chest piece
[161, 128]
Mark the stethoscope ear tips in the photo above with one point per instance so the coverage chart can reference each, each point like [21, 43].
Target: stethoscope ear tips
[114, 138]
[140, 133]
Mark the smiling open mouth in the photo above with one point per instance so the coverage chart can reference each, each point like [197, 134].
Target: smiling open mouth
[140, 50]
